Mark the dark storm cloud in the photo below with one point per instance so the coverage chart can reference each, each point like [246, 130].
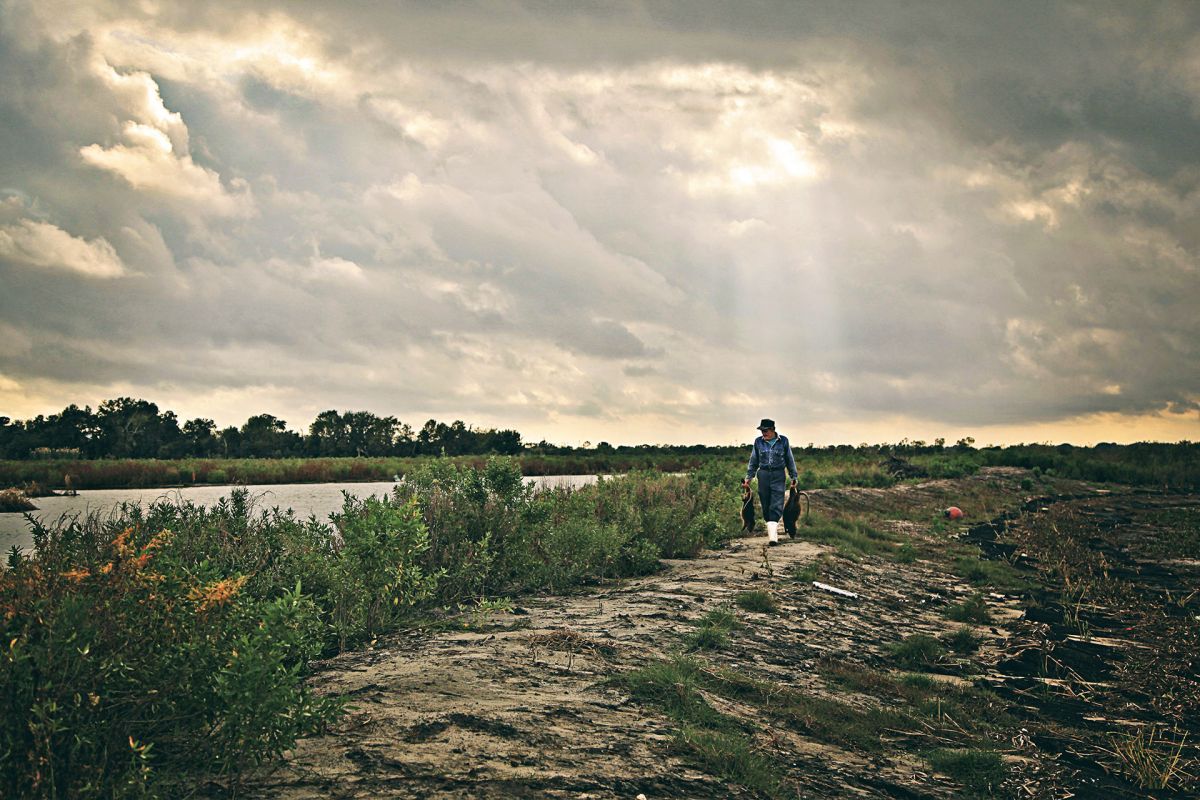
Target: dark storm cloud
[646, 211]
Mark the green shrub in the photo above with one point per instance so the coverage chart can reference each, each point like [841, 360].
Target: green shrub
[376, 566]
[124, 656]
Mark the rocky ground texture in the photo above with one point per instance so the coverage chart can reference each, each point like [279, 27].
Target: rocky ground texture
[1046, 646]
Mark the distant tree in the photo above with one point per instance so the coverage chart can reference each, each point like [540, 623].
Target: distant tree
[266, 436]
[429, 438]
[457, 439]
[12, 439]
[505, 442]
[328, 435]
[200, 437]
[404, 443]
[368, 434]
[231, 442]
[74, 428]
[131, 428]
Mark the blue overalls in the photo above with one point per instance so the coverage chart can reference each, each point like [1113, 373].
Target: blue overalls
[769, 460]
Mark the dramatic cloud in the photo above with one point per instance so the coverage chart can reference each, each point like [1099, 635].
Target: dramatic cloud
[651, 222]
[39, 244]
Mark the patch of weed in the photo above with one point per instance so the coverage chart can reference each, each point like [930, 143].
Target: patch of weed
[981, 772]
[712, 630]
[905, 554]
[972, 709]
[973, 609]
[732, 756]
[851, 538]
[813, 570]
[822, 718]
[998, 574]
[918, 651]
[964, 640]
[1152, 760]
[919, 681]
[722, 618]
[757, 600]
[705, 638]
[719, 743]
[673, 687]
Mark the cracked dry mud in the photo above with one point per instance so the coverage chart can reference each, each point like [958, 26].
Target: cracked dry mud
[521, 706]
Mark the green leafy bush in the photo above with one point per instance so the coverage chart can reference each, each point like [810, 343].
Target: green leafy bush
[128, 657]
[375, 565]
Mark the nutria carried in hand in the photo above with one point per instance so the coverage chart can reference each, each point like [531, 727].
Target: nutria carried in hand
[747, 510]
[791, 510]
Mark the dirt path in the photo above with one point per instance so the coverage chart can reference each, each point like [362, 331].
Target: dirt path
[520, 704]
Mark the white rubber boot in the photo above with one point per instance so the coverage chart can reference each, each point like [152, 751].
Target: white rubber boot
[772, 533]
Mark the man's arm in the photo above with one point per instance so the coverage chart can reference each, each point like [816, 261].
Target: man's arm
[753, 468]
[791, 460]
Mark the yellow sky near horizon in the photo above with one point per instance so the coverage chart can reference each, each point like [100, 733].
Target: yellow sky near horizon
[226, 407]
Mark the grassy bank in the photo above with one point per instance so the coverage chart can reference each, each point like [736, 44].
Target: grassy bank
[167, 643]
[1172, 465]
[816, 470]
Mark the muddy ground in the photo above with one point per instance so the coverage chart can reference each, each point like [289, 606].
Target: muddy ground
[528, 702]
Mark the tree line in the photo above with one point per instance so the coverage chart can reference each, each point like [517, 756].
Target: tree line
[125, 427]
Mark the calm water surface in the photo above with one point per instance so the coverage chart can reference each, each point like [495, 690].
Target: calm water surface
[319, 499]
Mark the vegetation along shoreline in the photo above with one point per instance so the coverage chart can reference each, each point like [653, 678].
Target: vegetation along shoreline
[1033, 648]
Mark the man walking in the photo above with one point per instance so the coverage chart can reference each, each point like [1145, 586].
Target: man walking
[772, 454]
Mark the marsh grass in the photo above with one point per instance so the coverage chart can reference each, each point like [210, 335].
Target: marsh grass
[1151, 760]
[712, 630]
[757, 601]
[980, 771]
[813, 570]
[917, 651]
[994, 573]
[963, 640]
[851, 538]
[973, 609]
[733, 757]
[188, 631]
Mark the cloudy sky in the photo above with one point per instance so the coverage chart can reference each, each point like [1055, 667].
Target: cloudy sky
[622, 221]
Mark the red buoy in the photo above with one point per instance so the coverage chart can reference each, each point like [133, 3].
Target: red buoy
[953, 512]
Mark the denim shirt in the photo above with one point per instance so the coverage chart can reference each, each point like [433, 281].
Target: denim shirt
[773, 455]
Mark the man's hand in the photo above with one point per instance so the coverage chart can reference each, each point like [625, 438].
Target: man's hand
[745, 483]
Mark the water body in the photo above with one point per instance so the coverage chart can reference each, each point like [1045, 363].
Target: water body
[317, 499]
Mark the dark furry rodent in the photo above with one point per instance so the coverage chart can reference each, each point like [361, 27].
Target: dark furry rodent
[747, 510]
